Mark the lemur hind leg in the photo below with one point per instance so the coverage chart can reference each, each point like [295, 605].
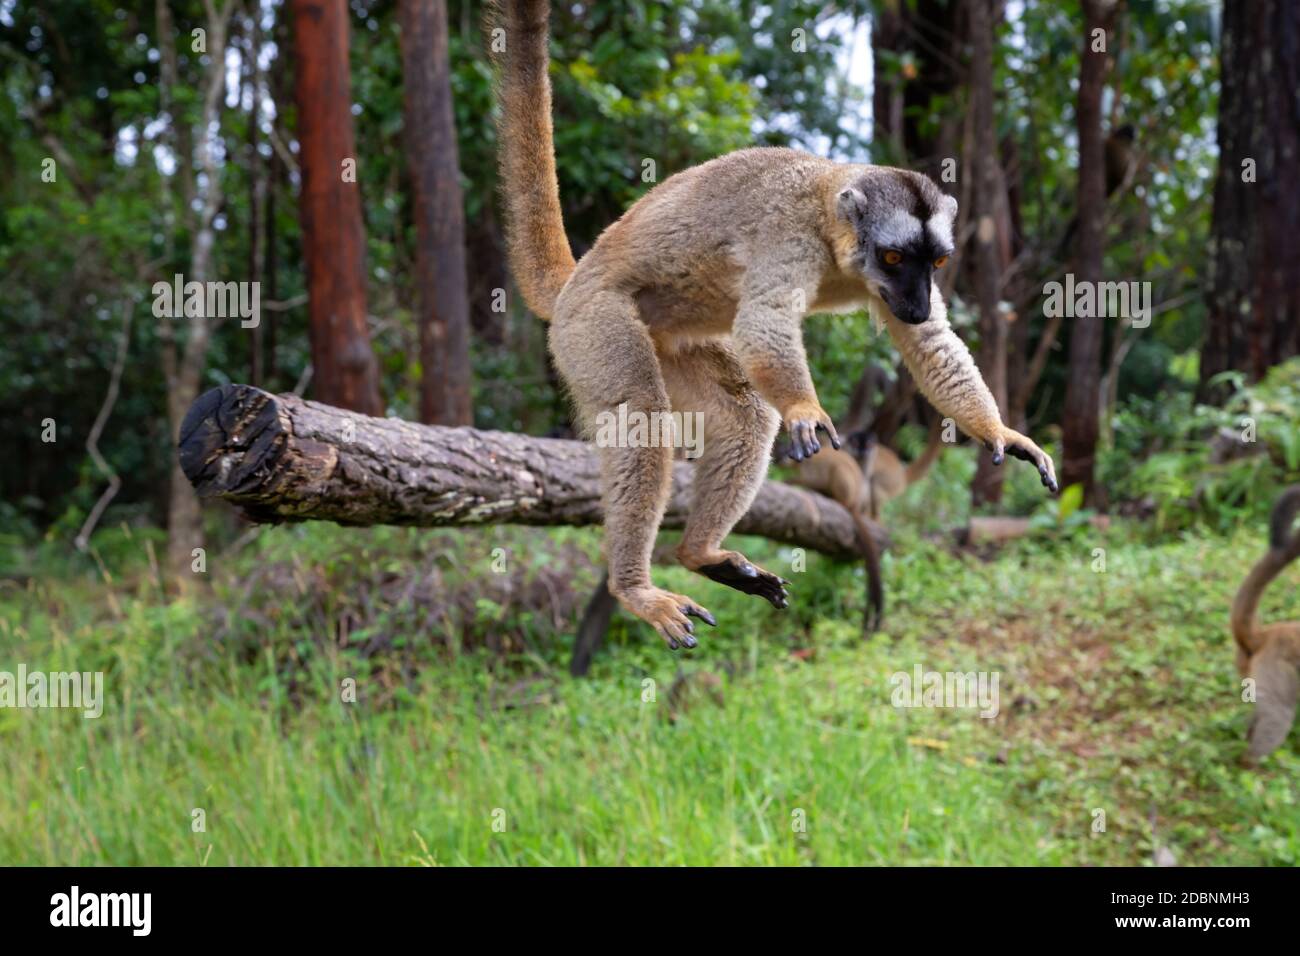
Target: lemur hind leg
[735, 443]
[606, 357]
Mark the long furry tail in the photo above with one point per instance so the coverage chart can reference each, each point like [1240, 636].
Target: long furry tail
[875, 610]
[538, 250]
[1283, 548]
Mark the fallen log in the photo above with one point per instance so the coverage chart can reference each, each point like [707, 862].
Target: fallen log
[282, 458]
[995, 529]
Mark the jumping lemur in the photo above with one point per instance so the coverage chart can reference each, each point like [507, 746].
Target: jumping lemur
[692, 302]
[1270, 653]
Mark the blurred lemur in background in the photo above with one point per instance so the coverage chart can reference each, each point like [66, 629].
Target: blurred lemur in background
[692, 303]
[1270, 653]
[862, 477]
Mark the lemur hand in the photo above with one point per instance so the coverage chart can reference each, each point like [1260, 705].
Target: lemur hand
[1013, 443]
[803, 419]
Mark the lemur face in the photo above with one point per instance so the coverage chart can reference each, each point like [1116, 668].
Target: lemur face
[904, 227]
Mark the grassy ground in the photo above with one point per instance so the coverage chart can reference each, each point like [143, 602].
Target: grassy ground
[469, 743]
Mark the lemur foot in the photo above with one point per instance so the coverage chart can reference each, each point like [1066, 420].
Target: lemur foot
[668, 613]
[1017, 445]
[736, 571]
[804, 420]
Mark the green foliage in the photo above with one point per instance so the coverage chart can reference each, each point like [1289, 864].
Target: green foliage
[1221, 465]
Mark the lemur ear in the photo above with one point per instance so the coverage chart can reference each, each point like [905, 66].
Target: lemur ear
[851, 204]
[950, 205]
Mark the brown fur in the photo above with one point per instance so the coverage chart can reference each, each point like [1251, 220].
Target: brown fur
[886, 475]
[1270, 653]
[535, 239]
[694, 299]
[838, 475]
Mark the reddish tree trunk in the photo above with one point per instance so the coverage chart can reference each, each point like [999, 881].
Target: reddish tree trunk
[1254, 299]
[344, 370]
[1082, 393]
[441, 293]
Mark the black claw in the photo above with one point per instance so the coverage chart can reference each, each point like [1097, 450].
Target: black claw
[672, 644]
[689, 642]
[748, 579]
[997, 458]
[703, 615]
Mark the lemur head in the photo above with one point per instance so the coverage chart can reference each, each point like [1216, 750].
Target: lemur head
[903, 223]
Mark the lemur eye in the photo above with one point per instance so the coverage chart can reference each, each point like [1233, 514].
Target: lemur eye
[892, 258]
[940, 262]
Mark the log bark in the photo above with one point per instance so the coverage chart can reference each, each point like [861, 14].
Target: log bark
[282, 458]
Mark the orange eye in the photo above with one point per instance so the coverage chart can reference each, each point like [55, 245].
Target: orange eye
[940, 262]
[893, 258]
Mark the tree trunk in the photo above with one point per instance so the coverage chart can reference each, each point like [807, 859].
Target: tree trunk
[1254, 297]
[929, 34]
[990, 240]
[183, 364]
[1082, 393]
[441, 294]
[281, 458]
[344, 371]
[1014, 290]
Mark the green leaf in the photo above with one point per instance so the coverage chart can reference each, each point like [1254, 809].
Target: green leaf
[1071, 499]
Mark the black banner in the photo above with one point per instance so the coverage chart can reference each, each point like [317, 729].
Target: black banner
[334, 906]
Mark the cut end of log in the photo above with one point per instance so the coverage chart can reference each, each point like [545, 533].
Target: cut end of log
[219, 444]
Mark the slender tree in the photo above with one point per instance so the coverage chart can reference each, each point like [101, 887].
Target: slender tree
[1254, 295]
[344, 370]
[918, 57]
[201, 189]
[442, 297]
[1083, 391]
[990, 257]
[257, 186]
[919, 64]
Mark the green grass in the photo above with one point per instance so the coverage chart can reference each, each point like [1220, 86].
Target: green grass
[596, 776]
[469, 743]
